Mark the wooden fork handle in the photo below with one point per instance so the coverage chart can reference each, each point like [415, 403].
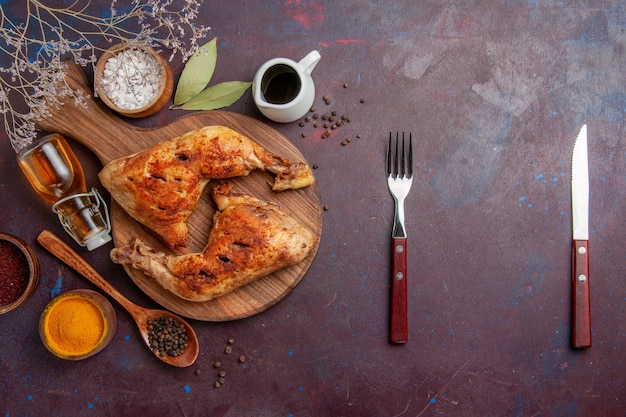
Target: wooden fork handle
[399, 329]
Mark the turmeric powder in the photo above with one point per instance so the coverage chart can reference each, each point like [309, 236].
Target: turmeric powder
[74, 326]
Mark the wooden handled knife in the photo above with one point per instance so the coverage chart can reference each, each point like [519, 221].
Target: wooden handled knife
[581, 311]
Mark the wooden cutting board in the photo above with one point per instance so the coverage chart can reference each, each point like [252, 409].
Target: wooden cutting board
[109, 137]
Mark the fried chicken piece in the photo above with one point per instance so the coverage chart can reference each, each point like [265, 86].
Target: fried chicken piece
[160, 187]
[250, 239]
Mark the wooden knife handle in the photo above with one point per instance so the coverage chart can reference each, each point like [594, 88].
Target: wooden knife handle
[399, 331]
[581, 304]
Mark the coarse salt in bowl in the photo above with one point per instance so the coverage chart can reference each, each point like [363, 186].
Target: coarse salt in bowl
[133, 81]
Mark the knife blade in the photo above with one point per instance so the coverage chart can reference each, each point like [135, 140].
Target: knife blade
[581, 300]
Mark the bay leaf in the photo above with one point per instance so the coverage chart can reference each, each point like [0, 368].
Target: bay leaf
[217, 96]
[197, 72]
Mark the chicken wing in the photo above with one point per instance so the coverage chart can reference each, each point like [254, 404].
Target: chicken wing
[250, 238]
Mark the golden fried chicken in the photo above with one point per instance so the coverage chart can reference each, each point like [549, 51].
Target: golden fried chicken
[160, 186]
[250, 238]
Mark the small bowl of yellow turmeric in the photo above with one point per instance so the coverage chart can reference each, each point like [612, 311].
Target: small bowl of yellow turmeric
[77, 324]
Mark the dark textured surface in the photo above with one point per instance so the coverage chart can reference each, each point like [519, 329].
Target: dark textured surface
[494, 93]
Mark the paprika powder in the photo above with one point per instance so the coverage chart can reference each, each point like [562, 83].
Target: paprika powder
[19, 272]
[13, 272]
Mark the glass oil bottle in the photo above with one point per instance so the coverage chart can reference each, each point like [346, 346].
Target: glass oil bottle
[54, 172]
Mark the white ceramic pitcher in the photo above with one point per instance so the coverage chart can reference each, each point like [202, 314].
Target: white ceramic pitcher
[283, 89]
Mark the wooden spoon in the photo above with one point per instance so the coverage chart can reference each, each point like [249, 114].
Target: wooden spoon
[141, 315]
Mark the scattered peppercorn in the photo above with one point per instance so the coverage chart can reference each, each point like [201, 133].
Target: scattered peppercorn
[331, 119]
[315, 166]
[197, 372]
[326, 207]
[167, 336]
[221, 373]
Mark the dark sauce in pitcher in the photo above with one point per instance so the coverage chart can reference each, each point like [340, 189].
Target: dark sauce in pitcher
[280, 84]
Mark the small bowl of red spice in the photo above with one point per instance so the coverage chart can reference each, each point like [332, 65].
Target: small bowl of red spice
[19, 272]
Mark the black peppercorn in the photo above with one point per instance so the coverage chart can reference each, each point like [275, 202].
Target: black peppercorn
[167, 336]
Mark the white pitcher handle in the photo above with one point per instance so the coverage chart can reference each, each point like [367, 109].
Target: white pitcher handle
[310, 61]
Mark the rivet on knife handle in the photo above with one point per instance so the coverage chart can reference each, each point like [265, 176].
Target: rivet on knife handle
[399, 329]
[581, 309]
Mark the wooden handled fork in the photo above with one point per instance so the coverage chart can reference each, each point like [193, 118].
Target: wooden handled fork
[399, 179]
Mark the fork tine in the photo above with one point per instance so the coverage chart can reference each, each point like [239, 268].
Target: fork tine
[395, 162]
[410, 174]
[400, 165]
[389, 156]
[403, 163]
